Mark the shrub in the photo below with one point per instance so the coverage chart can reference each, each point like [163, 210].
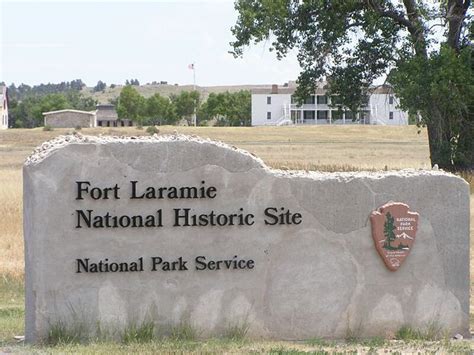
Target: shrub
[184, 331]
[47, 128]
[236, 332]
[142, 333]
[151, 130]
[60, 333]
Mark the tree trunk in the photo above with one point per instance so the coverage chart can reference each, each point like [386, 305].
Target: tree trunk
[465, 147]
[439, 138]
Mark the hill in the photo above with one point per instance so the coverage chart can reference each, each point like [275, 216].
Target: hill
[148, 90]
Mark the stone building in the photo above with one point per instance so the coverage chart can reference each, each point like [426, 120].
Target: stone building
[70, 119]
[107, 117]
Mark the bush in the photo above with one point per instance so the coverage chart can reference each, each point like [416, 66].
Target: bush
[47, 128]
[78, 128]
[151, 130]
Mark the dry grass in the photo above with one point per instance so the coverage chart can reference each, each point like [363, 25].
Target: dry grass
[11, 227]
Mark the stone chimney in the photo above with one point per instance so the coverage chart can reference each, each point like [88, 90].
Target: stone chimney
[274, 89]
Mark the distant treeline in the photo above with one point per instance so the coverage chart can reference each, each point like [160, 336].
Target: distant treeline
[224, 109]
[27, 103]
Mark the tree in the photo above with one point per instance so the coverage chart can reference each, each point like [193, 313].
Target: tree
[101, 86]
[230, 109]
[239, 109]
[388, 228]
[353, 42]
[131, 104]
[29, 112]
[77, 101]
[160, 110]
[186, 104]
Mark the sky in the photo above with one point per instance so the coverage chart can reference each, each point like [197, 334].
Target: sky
[113, 41]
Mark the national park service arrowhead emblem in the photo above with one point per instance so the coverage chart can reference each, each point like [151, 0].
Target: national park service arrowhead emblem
[394, 230]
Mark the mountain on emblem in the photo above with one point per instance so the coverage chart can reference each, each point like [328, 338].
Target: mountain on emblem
[394, 230]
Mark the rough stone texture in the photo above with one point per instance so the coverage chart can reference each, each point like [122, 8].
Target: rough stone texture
[322, 278]
[69, 119]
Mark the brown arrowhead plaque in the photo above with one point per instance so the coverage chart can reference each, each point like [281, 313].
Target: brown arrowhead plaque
[394, 230]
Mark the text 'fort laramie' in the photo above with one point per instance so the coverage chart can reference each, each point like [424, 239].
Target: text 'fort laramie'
[185, 216]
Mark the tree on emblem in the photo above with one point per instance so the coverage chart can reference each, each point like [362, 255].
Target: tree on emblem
[388, 229]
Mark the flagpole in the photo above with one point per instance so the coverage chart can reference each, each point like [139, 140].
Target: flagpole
[194, 89]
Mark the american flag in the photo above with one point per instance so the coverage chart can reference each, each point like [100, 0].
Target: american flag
[191, 66]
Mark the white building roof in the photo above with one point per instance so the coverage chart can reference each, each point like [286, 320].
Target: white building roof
[68, 110]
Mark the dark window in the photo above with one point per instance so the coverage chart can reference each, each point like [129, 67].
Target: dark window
[99, 123]
[108, 123]
[309, 100]
[308, 115]
[390, 100]
[390, 116]
[322, 115]
[130, 123]
[269, 100]
[295, 115]
[322, 100]
[269, 115]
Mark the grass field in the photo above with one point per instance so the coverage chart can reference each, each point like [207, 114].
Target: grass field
[328, 148]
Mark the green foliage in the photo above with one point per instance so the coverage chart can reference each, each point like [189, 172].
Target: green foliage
[28, 113]
[131, 105]
[184, 331]
[23, 91]
[151, 130]
[186, 104]
[133, 82]
[100, 86]
[441, 90]
[160, 110]
[236, 332]
[432, 331]
[47, 128]
[374, 342]
[61, 333]
[388, 229]
[319, 342]
[142, 333]
[350, 43]
[229, 109]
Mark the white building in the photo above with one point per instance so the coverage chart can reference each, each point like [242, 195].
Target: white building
[3, 108]
[276, 106]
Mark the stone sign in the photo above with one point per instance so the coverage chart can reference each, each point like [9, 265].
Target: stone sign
[394, 232]
[180, 230]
